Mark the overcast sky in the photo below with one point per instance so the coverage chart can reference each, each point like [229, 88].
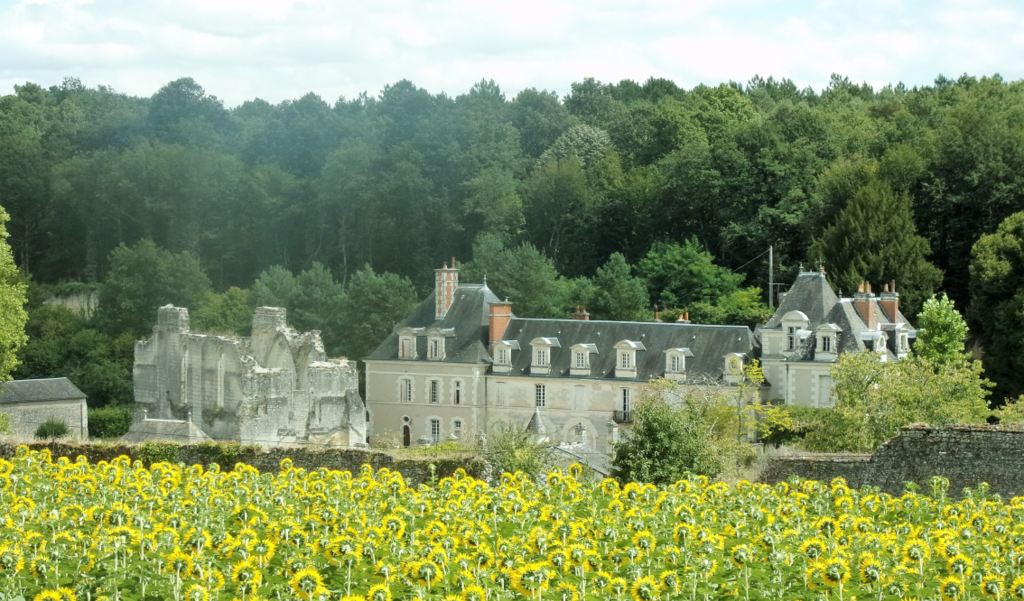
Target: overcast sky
[281, 49]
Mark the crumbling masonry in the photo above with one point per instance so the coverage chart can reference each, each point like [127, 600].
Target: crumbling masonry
[274, 388]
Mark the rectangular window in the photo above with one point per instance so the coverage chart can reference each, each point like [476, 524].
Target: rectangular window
[407, 348]
[503, 356]
[541, 393]
[677, 365]
[625, 400]
[458, 423]
[406, 391]
[458, 393]
[435, 430]
[434, 385]
[625, 361]
[581, 360]
[792, 338]
[499, 393]
[435, 349]
[542, 357]
[826, 344]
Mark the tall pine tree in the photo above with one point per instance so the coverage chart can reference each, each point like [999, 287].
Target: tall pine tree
[874, 239]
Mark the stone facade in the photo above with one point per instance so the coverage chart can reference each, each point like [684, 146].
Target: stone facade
[29, 403]
[965, 455]
[462, 362]
[813, 326]
[276, 387]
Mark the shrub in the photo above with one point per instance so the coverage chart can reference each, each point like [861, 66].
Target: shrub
[5, 424]
[52, 428]
[512, 448]
[109, 422]
[225, 454]
[152, 451]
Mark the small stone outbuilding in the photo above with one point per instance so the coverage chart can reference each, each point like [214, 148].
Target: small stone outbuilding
[29, 403]
[276, 387]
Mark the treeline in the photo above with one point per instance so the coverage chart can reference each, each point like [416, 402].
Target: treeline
[893, 183]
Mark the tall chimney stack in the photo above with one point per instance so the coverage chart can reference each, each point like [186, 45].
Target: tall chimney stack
[498, 315]
[891, 302]
[864, 301]
[446, 280]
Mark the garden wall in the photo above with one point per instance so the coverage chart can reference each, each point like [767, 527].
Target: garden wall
[415, 471]
[965, 455]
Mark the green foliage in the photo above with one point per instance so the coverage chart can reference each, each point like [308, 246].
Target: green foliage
[229, 312]
[996, 314]
[1011, 413]
[5, 424]
[12, 306]
[512, 448]
[153, 451]
[586, 143]
[313, 299]
[874, 239]
[617, 294]
[62, 344]
[374, 303]
[109, 422]
[52, 428]
[941, 332]
[224, 454]
[144, 277]
[874, 399]
[678, 428]
[742, 307]
[522, 273]
[680, 275]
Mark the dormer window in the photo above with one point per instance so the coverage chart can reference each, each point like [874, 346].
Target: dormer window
[828, 342]
[625, 360]
[794, 324]
[733, 372]
[435, 349]
[675, 363]
[503, 355]
[541, 364]
[407, 342]
[436, 342]
[580, 365]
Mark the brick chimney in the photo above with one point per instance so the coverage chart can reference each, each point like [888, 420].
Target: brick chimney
[446, 280]
[864, 300]
[684, 318]
[581, 314]
[498, 315]
[891, 302]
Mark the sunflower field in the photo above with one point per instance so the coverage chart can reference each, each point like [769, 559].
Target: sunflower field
[117, 531]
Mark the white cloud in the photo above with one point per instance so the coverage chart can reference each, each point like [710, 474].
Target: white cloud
[281, 49]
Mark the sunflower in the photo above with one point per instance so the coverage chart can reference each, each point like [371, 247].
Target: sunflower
[992, 586]
[835, 571]
[179, 562]
[645, 589]
[814, 548]
[246, 573]
[871, 572]
[951, 588]
[470, 593]
[307, 583]
[1017, 587]
[196, 592]
[915, 551]
[960, 565]
[47, 596]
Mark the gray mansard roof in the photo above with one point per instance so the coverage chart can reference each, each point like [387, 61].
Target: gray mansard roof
[467, 316]
[810, 293]
[708, 343]
[50, 389]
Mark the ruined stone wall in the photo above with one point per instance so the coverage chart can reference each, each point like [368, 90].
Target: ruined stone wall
[965, 455]
[415, 471]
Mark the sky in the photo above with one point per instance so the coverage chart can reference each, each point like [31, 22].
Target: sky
[282, 49]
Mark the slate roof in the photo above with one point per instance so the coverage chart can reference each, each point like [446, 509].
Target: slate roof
[810, 293]
[708, 343]
[49, 389]
[467, 316]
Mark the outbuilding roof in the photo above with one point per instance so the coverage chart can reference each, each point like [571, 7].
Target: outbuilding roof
[49, 389]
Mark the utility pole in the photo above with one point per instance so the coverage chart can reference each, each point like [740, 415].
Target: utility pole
[771, 277]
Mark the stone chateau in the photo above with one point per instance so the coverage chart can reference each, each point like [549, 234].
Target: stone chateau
[462, 362]
[276, 387]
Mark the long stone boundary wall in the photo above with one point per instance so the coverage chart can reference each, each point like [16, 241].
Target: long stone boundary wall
[966, 455]
[415, 471]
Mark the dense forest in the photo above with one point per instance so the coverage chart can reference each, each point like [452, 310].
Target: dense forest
[619, 197]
